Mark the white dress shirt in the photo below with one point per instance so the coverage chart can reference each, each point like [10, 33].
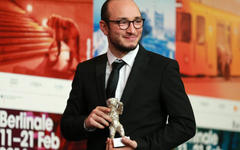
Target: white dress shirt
[124, 71]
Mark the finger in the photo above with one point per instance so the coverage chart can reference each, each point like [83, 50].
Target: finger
[110, 144]
[95, 124]
[103, 114]
[107, 144]
[103, 109]
[100, 120]
[107, 147]
[129, 142]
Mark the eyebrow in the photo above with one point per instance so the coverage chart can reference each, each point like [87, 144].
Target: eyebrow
[124, 18]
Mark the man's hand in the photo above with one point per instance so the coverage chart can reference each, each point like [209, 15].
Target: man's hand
[130, 144]
[98, 118]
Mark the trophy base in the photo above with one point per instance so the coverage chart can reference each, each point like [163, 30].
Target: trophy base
[117, 142]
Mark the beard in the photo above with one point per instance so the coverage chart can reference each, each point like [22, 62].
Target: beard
[123, 48]
[120, 46]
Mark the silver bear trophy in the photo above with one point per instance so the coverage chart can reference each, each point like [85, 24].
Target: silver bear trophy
[116, 109]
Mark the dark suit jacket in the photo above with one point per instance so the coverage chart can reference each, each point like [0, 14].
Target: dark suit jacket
[154, 94]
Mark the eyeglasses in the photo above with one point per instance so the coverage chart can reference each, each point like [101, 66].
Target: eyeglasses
[124, 24]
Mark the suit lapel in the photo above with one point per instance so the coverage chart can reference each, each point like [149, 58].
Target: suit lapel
[100, 76]
[135, 75]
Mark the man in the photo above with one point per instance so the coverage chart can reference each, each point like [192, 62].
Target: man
[157, 114]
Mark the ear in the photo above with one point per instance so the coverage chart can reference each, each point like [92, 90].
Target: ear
[104, 27]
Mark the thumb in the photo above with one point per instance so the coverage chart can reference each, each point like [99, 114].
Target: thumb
[109, 144]
[129, 142]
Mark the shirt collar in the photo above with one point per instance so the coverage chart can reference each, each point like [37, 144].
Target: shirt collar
[128, 58]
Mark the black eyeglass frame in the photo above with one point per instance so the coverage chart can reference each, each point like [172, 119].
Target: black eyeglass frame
[129, 22]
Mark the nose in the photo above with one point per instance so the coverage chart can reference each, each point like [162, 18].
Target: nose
[131, 28]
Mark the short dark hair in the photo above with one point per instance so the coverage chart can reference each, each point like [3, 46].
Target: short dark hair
[104, 10]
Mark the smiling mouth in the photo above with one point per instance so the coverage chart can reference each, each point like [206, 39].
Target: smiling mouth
[131, 38]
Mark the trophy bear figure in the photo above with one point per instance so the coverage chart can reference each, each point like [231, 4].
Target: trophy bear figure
[116, 109]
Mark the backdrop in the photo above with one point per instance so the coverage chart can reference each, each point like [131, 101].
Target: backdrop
[42, 41]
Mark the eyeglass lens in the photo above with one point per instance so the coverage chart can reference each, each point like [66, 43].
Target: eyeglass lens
[124, 24]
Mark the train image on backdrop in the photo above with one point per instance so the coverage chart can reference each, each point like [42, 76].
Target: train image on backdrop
[207, 40]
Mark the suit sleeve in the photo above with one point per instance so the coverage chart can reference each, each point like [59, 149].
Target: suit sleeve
[74, 115]
[181, 123]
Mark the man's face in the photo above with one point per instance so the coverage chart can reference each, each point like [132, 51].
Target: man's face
[119, 39]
